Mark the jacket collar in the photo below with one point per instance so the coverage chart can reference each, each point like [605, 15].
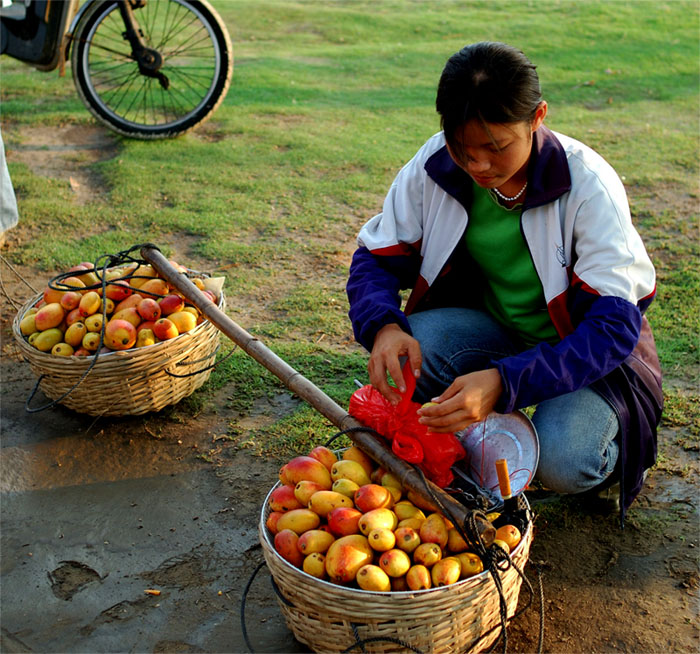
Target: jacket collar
[548, 173]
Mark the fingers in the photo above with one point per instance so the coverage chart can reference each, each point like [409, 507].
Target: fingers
[415, 358]
[377, 368]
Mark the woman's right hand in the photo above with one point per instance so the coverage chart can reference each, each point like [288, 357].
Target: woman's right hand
[390, 343]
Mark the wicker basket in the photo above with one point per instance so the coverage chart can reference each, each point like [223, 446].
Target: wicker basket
[129, 382]
[443, 620]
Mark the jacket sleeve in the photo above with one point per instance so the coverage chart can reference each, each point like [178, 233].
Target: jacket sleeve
[373, 290]
[606, 332]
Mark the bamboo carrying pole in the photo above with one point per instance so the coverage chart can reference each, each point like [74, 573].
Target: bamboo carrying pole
[302, 387]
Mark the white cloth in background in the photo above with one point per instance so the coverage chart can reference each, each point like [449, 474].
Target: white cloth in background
[9, 215]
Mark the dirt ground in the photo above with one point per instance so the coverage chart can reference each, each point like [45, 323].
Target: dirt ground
[96, 511]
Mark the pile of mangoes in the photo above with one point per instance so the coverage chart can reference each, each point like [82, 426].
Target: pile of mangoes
[138, 307]
[350, 522]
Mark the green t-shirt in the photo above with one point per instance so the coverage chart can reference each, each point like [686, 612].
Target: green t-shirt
[513, 292]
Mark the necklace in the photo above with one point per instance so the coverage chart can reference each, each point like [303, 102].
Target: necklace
[515, 197]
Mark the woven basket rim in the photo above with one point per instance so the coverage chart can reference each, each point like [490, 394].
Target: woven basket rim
[38, 357]
[369, 593]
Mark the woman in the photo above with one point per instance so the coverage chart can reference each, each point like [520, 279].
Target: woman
[529, 282]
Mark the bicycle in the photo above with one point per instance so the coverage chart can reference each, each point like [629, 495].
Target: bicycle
[148, 69]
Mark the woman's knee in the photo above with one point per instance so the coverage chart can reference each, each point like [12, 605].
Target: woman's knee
[578, 436]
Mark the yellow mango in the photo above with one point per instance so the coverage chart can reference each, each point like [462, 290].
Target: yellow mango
[299, 521]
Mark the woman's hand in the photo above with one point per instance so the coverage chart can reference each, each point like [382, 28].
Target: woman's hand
[469, 399]
[390, 343]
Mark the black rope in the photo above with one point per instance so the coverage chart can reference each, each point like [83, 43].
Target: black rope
[351, 430]
[361, 642]
[244, 630]
[185, 362]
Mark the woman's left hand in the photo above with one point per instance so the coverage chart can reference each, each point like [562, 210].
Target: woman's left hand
[469, 399]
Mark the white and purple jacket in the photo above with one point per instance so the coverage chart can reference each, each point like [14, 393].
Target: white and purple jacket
[596, 275]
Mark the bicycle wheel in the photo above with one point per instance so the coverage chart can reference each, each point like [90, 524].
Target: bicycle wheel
[196, 72]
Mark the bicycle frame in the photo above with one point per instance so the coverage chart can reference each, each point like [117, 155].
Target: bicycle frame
[44, 37]
[40, 39]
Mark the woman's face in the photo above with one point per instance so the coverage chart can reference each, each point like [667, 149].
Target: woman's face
[493, 153]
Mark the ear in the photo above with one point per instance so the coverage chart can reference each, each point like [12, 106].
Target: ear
[540, 114]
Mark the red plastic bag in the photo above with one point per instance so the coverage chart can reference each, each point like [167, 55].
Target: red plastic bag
[410, 440]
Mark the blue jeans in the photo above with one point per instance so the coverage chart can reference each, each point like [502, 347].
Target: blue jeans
[577, 431]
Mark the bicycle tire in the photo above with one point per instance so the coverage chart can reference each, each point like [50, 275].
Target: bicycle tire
[198, 63]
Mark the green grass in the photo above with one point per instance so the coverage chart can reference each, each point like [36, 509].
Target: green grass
[328, 101]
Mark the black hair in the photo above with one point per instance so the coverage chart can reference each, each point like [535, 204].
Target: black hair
[488, 81]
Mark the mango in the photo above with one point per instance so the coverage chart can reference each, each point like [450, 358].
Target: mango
[155, 287]
[71, 284]
[89, 304]
[351, 470]
[324, 455]
[46, 339]
[315, 565]
[70, 300]
[354, 453]
[446, 571]
[141, 275]
[315, 540]
[396, 493]
[510, 534]
[324, 501]
[407, 539]
[51, 295]
[50, 315]
[93, 323]
[299, 521]
[373, 496]
[395, 562]
[305, 489]
[372, 577]
[470, 564]
[28, 324]
[345, 486]
[389, 479]
[413, 523]
[418, 577]
[130, 314]
[282, 499]
[91, 341]
[377, 519]
[455, 542]
[405, 509]
[434, 530]
[62, 350]
[183, 320]
[285, 543]
[305, 468]
[421, 502]
[73, 317]
[381, 540]
[145, 337]
[343, 521]
[427, 554]
[271, 521]
[346, 556]
[106, 306]
[74, 334]
[131, 301]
